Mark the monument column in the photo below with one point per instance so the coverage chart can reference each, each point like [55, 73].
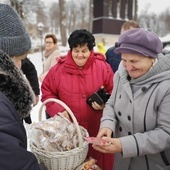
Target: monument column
[109, 15]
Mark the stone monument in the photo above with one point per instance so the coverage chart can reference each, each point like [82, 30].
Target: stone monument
[108, 17]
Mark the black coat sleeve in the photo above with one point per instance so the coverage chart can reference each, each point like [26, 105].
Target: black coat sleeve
[30, 72]
[13, 140]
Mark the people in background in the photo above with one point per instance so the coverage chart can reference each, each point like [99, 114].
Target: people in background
[137, 113]
[101, 48]
[30, 72]
[16, 95]
[51, 54]
[111, 57]
[73, 80]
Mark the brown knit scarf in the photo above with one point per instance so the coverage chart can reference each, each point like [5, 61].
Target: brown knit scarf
[49, 52]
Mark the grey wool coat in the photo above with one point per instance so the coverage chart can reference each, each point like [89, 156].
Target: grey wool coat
[138, 112]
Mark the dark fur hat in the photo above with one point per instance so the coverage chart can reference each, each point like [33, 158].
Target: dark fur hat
[15, 86]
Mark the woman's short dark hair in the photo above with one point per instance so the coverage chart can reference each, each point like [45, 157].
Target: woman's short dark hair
[81, 37]
[53, 37]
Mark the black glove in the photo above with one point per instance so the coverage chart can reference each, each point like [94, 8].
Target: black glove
[28, 119]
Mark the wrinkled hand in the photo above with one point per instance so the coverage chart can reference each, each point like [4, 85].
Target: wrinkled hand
[36, 100]
[104, 132]
[66, 115]
[97, 106]
[113, 145]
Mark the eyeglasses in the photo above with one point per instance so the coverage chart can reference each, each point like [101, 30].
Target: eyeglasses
[49, 42]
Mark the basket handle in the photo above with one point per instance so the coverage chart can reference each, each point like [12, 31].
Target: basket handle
[70, 113]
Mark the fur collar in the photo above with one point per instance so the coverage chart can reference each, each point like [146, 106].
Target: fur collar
[14, 85]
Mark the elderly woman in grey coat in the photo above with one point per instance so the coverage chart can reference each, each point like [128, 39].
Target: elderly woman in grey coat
[138, 111]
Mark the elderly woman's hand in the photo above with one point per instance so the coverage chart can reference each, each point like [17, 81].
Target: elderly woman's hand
[97, 106]
[104, 132]
[113, 145]
[66, 115]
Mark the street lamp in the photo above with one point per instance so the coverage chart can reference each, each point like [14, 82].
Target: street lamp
[40, 29]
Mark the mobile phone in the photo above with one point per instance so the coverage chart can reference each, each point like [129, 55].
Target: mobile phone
[95, 98]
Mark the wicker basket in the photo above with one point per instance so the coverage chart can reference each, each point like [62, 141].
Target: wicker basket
[67, 160]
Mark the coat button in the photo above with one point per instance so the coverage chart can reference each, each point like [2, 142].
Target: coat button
[1, 52]
[129, 118]
[119, 113]
[84, 96]
[143, 89]
[129, 133]
[120, 129]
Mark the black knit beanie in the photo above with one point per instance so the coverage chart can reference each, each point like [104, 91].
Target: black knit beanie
[14, 39]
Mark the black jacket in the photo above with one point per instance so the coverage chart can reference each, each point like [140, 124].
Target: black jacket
[30, 72]
[112, 58]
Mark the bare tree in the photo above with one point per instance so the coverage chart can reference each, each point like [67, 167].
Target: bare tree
[135, 9]
[18, 6]
[54, 18]
[157, 23]
[71, 16]
[62, 14]
[82, 9]
[166, 19]
[90, 15]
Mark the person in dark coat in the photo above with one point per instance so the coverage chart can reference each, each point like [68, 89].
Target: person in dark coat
[111, 57]
[16, 95]
[30, 72]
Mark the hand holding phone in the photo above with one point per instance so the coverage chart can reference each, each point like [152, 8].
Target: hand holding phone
[100, 97]
[95, 98]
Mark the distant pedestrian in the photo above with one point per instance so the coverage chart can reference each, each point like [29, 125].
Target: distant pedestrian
[101, 48]
[51, 54]
[30, 72]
